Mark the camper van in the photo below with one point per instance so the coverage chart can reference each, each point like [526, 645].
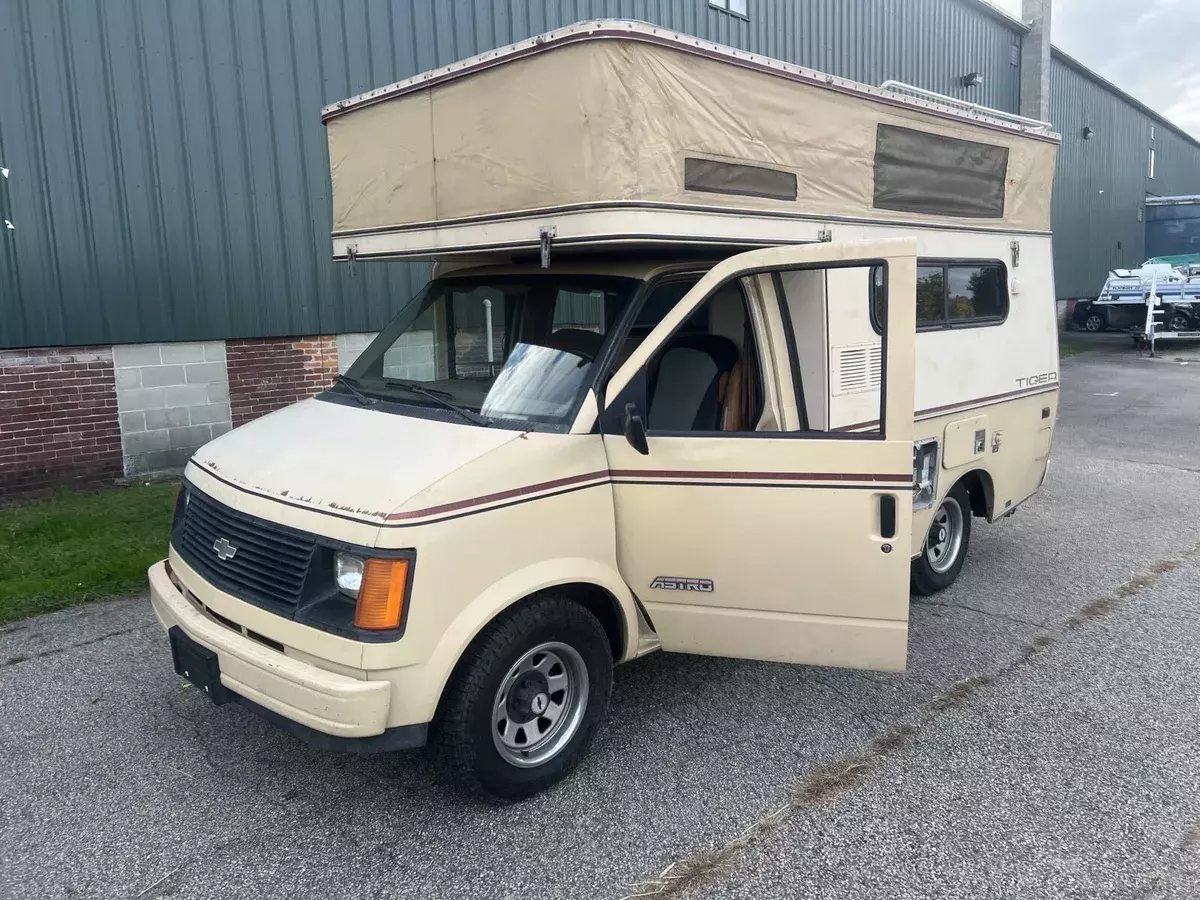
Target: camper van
[720, 355]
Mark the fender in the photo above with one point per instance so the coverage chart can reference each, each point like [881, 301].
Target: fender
[516, 586]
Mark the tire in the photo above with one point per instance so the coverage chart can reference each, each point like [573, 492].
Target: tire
[1178, 320]
[493, 734]
[935, 571]
[1095, 321]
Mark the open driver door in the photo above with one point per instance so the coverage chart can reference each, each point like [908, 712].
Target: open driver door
[780, 541]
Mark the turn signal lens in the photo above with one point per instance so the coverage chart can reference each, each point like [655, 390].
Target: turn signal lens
[381, 596]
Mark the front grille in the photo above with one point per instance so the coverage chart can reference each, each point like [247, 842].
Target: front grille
[269, 563]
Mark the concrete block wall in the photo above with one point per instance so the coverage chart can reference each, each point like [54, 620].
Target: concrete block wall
[413, 355]
[350, 348]
[173, 398]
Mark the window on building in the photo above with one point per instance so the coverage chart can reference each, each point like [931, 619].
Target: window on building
[1150, 165]
[1151, 132]
[737, 7]
[951, 294]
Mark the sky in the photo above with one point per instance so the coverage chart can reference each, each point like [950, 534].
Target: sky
[1149, 48]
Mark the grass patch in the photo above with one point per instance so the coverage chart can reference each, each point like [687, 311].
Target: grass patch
[1071, 348]
[77, 546]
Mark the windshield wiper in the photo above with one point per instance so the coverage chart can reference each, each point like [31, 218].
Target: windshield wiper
[414, 385]
[351, 384]
[441, 400]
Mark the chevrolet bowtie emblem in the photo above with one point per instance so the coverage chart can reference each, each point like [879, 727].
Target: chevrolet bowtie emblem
[224, 549]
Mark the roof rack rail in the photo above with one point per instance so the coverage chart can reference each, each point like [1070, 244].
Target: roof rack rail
[901, 87]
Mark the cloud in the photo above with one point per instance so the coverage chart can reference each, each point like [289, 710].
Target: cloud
[1146, 47]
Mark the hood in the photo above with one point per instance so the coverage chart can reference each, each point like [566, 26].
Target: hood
[354, 459]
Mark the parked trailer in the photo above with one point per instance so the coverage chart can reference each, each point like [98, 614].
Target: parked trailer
[1122, 302]
[1158, 312]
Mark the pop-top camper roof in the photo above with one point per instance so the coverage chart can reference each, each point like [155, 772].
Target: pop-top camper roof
[610, 131]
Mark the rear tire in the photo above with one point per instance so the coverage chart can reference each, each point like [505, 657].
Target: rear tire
[1178, 320]
[525, 700]
[945, 548]
[1095, 321]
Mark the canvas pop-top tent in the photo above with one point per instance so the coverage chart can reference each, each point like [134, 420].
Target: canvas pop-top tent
[612, 132]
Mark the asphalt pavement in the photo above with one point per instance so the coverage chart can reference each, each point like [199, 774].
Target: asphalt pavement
[1044, 742]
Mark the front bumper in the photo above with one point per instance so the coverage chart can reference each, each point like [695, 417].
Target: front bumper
[326, 708]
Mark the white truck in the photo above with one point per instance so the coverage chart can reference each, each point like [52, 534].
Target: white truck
[721, 355]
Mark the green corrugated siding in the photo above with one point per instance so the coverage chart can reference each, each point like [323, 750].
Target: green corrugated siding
[168, 163]
[1101, 183]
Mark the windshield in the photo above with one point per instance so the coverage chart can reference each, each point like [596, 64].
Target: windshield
[515, 350]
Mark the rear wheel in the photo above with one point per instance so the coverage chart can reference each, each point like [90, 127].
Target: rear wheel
[1095, 321]
[945, 548]
[525, 700]
[1178, 320]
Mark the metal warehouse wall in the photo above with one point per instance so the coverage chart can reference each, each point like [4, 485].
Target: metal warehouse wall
[1100, 183]
[169, 166]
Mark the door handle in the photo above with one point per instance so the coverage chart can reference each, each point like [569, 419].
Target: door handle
[887, 515]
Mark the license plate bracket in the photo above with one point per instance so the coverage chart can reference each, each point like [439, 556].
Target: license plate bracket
[198, 665]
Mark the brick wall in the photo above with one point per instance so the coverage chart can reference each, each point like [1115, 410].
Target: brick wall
[91, 414]
[58, 418]
[269, 373]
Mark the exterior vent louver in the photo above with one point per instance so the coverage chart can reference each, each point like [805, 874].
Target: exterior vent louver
[857, 368]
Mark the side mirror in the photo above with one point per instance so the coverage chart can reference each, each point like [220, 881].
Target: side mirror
[635, 430]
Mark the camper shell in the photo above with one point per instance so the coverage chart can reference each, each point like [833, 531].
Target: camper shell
[721, 355]
[621, 133]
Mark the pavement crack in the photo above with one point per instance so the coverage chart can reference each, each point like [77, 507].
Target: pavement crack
[848, 702]
[833, 779]
[54, 651]
[1191, 470]
[983, 612]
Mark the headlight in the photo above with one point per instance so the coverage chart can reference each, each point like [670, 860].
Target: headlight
[348, 573]
[378, 586]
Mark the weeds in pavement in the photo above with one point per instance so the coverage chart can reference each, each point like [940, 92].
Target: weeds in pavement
[958, 693]
[830, 781]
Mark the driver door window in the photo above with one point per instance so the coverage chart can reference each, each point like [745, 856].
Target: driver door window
[706, 377]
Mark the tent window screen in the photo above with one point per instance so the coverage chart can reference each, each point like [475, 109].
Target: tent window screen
[926, 173]
[716, 177]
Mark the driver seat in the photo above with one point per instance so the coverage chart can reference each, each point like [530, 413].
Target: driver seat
[687, 387]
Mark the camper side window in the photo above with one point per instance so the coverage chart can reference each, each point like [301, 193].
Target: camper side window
[951, 294]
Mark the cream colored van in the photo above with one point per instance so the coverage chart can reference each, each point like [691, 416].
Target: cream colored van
[691, 375]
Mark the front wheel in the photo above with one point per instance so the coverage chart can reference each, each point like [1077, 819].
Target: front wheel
[945, 548]
[525, 700]
[1095, 321]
